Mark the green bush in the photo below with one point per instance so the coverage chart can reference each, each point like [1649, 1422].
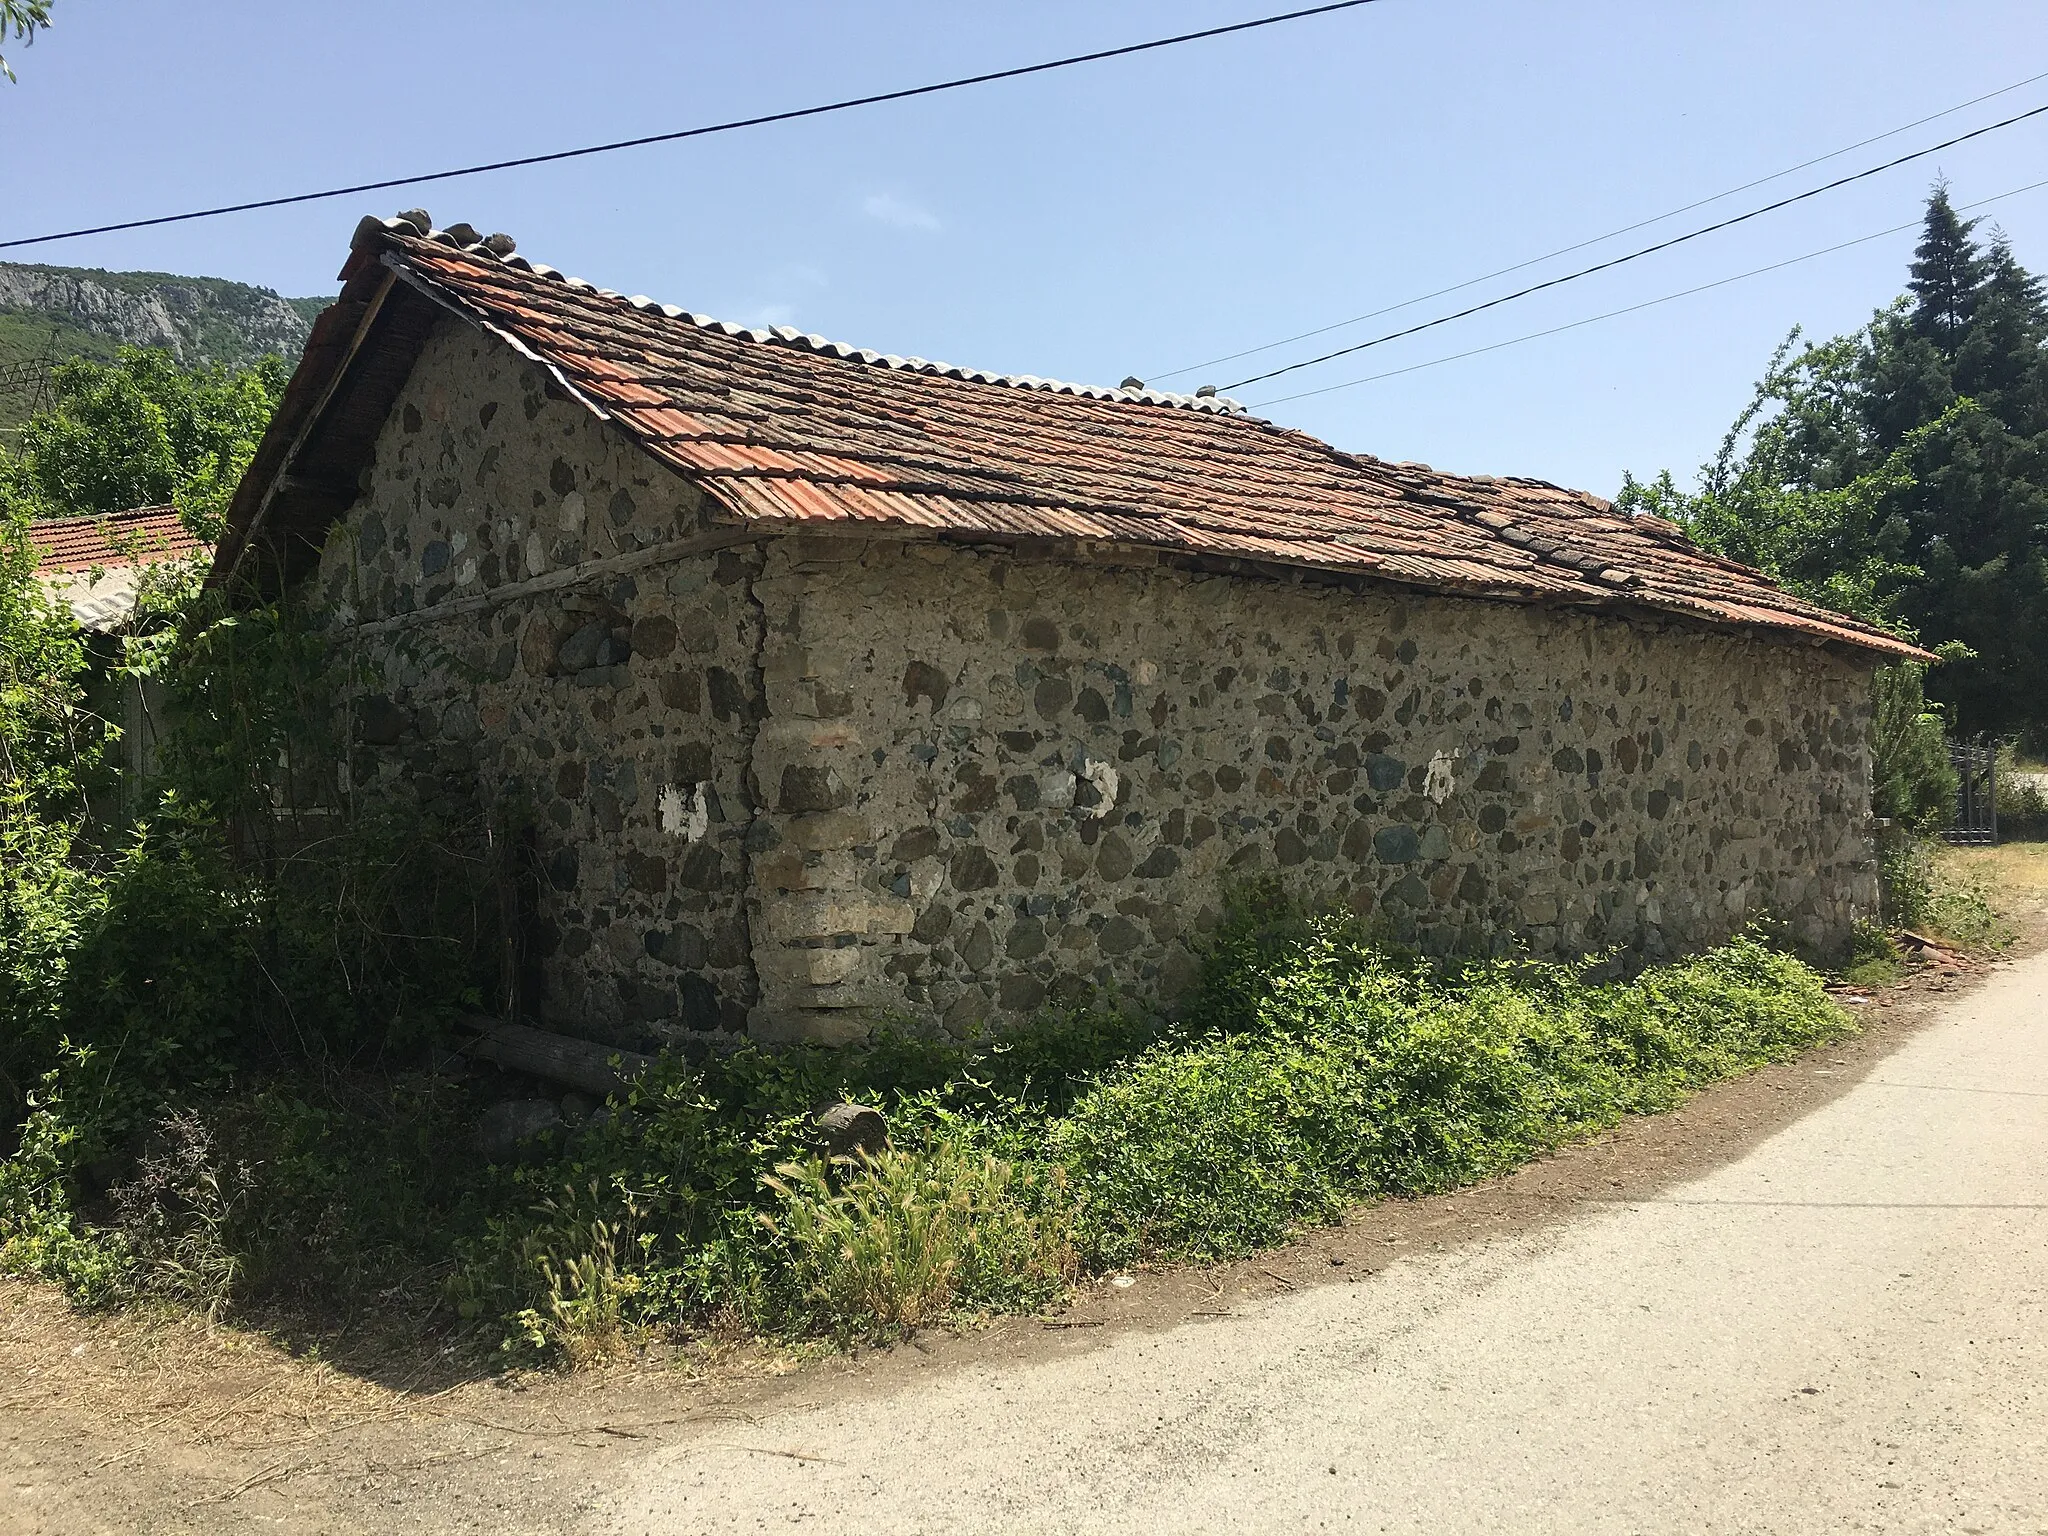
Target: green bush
[1912, 780]
[1365, 1076]
[40, 1233]
[2022, 800]
[1315, 1069]
[1905, 873]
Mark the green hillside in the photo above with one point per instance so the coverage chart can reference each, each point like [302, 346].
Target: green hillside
[55, 313]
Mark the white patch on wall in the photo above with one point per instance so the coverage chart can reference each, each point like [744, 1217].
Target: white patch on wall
[467, 573]
[1106, 783]
[458, 541]
[1056, 789]
[536, 554]
[1146, 672]
[572, 512]
[1439, 781]
[685, 813]
[926, 876]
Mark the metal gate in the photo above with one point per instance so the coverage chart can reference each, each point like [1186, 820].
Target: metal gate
[1976, 793]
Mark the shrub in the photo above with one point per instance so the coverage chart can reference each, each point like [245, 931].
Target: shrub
[1905, 873]
[40, 1233]
[1874, 958]
[2022, 800]
[1365, 1076]
[1912, 780]
[1315, 1069]
[885, 1244]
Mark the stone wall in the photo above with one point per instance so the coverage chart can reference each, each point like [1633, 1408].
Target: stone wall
[794, 785]
[995, 784]
[616, 710]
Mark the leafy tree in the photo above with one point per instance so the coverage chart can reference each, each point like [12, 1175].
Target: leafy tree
[1901, 474]
[49, 745]
[1788, 493]
[44, 744]
[141, 431]
[137, 431]
[23, 18]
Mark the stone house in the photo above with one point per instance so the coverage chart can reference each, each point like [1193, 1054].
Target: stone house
[844, 686]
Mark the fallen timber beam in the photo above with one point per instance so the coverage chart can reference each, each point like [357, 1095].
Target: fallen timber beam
[585, 1065]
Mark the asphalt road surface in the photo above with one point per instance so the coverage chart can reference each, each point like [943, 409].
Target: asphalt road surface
[1844, 1330]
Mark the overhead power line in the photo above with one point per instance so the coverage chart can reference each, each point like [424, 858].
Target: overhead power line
[760, 121]
[1630, 309]
[1580, 245]
[1637, 255]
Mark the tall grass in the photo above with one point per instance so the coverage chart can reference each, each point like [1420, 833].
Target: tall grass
[904, 1239]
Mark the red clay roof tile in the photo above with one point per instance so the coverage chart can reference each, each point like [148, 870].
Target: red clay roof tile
[142, 536]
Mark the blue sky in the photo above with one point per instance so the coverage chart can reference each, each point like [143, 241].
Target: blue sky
[1130, 217]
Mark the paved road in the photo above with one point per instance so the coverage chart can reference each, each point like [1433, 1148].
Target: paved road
[1846, 1330]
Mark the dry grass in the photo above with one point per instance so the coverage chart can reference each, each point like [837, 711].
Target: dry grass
[2015, 873]
[1984, 900]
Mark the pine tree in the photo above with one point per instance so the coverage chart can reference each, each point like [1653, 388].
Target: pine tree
[1948, 272]
[1972, 344]
[2000, 360]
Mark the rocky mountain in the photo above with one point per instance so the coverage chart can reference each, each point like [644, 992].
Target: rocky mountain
[61, 312]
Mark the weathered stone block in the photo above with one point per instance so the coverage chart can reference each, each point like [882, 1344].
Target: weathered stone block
[814, 915]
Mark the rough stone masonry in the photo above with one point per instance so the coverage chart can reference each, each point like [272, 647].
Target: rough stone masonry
[789, 786]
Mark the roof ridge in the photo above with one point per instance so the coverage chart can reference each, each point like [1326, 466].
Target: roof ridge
[156, 509]
[415, 225]
[787, 443]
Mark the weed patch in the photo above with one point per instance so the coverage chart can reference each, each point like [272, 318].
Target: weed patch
[891, 1242]
[1361, 1076]
[1314, 1069]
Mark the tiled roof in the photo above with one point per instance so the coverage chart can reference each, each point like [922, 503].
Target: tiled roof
[117, 547]
[143, 536]
[790, 431]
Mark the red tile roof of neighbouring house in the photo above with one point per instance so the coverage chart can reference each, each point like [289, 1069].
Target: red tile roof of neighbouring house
[790, 432]
[142, 536]
[117, 547]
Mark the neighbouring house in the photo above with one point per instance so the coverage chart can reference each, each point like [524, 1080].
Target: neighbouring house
[845, 686]
[96, 566]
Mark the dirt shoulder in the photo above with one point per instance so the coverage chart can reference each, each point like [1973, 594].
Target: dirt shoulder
[133, 1423]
